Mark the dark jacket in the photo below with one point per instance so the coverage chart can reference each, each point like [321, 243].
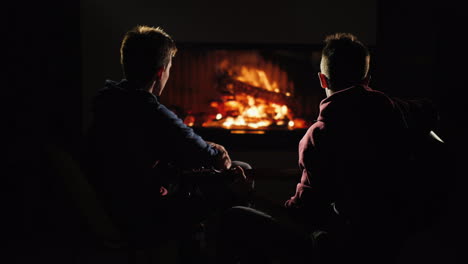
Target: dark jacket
[132, 132]
[356, 159]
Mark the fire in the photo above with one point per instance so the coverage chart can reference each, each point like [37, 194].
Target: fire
[251, 101]
[257, 78]
[251, 113]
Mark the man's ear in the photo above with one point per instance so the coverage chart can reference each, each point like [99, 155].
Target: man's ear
[159, 72]
[323, 80]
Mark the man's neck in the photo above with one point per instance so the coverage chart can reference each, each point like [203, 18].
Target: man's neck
[154, 87]
[333, 90]
[150, 87]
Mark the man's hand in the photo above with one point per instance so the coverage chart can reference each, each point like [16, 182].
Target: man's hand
[223, 161]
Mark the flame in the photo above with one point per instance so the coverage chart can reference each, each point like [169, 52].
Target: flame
[251, 113]
[189, 120]
[248, 112]
[257, 78]
[245, 111]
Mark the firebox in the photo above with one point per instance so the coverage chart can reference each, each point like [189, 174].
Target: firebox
[245, 88]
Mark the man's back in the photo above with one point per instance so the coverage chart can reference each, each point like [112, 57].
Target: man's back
[364, 157]
[130, 134]
[352, 152]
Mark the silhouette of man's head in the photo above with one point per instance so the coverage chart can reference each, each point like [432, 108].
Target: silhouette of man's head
[146, 54]
[345, 62]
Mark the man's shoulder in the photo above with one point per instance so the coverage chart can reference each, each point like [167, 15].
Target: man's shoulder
[313, 134]
[123, 92]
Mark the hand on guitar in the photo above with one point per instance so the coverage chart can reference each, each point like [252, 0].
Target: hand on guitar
[223, 161]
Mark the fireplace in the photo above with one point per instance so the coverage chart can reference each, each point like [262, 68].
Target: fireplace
[228, 91]
[244, 89]
[256, 100]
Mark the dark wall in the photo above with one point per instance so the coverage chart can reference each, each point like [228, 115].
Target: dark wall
[43, 97]
[422, 53]
[46, 76]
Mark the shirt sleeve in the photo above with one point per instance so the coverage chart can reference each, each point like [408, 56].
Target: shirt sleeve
[179, 144]
[312, 190]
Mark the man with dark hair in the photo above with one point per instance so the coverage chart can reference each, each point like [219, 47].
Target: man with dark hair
[133, 134]
[360, 149]
[345, 60]
[362, 171]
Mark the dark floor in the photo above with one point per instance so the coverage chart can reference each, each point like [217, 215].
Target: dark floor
[276, 174]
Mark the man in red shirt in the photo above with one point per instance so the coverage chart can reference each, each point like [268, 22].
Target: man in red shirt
[360, 182]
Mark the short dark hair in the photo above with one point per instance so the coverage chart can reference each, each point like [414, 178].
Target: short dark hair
[345, 60]
[145, 49]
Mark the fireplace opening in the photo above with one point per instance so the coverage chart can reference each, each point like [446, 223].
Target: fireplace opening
[245, 90]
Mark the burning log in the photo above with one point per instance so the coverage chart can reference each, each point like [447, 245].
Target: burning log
[233, 87]
[249, 100]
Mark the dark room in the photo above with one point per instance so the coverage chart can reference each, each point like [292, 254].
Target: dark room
[258, 131]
